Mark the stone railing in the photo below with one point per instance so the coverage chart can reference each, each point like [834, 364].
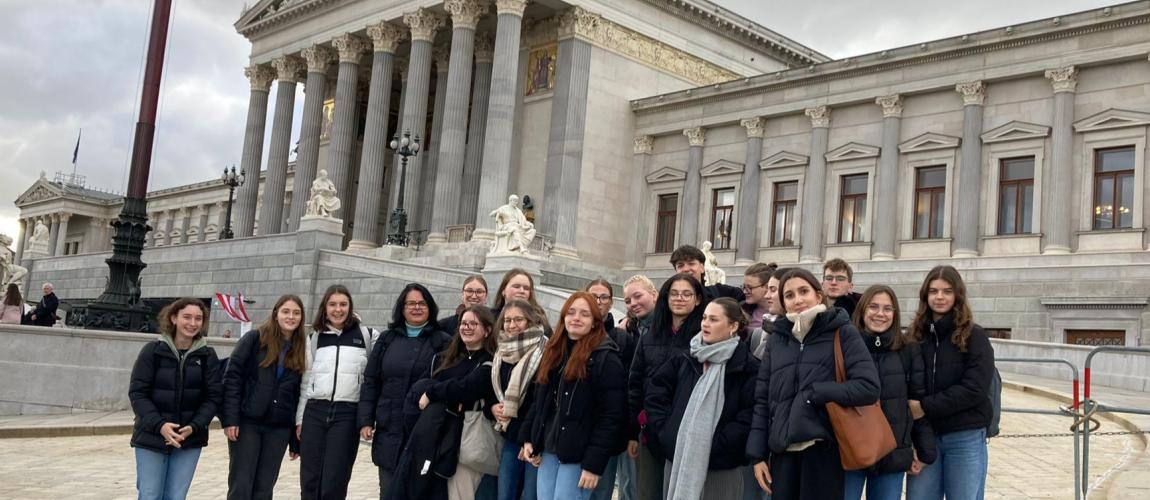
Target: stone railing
[1121, 370]
[542, 245]
[460, 233]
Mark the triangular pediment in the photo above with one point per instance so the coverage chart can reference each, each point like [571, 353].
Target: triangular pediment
[721, 167]
[1111, 119]
[267, 10]
[784, 159]
[852, 151]
[39, 191]
[666, 174]
[929, 141]
[1015, 131]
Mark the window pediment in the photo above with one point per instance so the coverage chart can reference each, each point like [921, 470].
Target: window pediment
[1015, 131]
[1111, 119]
[784, 159]
[721, 167]
[929, 141]
[852, 151]
[666, 174]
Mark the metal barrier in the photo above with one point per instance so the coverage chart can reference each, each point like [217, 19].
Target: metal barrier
[1090, 407]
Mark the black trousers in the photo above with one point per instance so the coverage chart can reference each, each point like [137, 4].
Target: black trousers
[255, 459]
[815, 473]
[328, 445]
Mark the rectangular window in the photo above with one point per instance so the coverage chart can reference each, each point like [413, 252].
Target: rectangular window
[1016, 195]
[852, 218]
[665, 221]
[1096, 337]
[784, 221]
[722, 216]
[929, 201]
[1114, 188]
[998, 333]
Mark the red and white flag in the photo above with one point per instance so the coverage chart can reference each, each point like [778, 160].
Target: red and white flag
[233, 306]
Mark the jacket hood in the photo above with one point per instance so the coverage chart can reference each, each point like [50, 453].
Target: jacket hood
[197, 344]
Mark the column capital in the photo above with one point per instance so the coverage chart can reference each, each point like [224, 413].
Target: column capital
[820, 116]
[260, 76]
[754, 126]
[288, 68]
[696, 136]
[891, 105]
[423, 23]
[973, 93]
[350, 47]
[442, 57]
[579, 22]
[513, 7]
[220, 205]
[484, 48]
[644, 144]
[465, 13]
[182, 212]
[1063, 79]
[385, 37]
[318, 58]
[63, 216]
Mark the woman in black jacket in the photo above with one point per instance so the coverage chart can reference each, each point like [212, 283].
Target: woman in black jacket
[625, 341]
[700, 403]
[792, 443]
[403, 355]
[900, 371]
[522, 337]
[959, 364]
[261, 391]
[580, 404]
[175, 392]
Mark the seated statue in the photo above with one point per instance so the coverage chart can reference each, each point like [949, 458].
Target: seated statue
[713, 275]
[513, 232]
[38, 243]
[323, 201]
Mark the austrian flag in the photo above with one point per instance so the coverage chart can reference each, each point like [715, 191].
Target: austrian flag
[233, 306]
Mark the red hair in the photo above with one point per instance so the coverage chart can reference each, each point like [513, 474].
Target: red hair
[557, 346]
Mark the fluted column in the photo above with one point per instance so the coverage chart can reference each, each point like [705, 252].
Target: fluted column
[746, 219]
[813, 236]
[421, 219]
[1057, 227]
[496, 171]
[385, 38]
[169, 223]
[343, 131]
[318, 58]
[689, 222]
[275, 185]
[886, 179]
[21, 236]
[260, 77]
[640, 204]
[62, 234]
[203, 227]
[54, 235]
[465, 16]
[221, 217]
[969, 171]
[185, 217]
[476, 129]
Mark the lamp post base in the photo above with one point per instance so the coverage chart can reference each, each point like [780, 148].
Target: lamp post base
[398, 235]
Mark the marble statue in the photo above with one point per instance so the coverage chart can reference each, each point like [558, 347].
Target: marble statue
[712, 274]
[323, 201]
[10, 272]
[38, 243]
[513, 232]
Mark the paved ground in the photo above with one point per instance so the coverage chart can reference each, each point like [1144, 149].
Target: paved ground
[102, 466]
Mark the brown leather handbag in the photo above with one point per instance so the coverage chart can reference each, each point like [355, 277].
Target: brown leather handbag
[863, 432]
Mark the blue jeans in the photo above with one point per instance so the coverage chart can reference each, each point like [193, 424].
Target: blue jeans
[878, 486]
[517, 479]
[165, 477]
[559, 481]
[606, 488]
[959, 473]
[628, 478]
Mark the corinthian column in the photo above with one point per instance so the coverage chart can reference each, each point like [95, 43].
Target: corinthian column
[426, 179]
[640, 207]
[260, 77]
[500, 116]
[1057, 226]
[465, 16]
[275, 186]
[886, 180]
[689, 225]
[318, 59]
[816, 178]
[747, 217]
[350, 49]
[970, 170]
[476, 129]
[385, 38]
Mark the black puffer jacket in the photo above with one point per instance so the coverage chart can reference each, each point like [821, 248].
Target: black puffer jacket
[670, 391]
[252, 393]
[653, 349]
[720, 290]
[466, 383]
[515, 432]
[396, 362]
[848, 302]
[797, 380]
[957, 383]
[591, 415]
[164, 389]
[902, 377]
[624, 340]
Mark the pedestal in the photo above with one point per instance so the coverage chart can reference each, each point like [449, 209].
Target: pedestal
[498, 265]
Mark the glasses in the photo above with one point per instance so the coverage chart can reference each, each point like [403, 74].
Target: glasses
[830, 278]
[602, 298]
[747, 289]
[474, 291]
[874, 308]
[681, 295]
[515, 321]
[470, 325]
[415, 305]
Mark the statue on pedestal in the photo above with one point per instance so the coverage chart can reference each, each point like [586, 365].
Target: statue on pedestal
[323, 201]
[38, 243]
[9, 271]
[713, 275]
[513, 232]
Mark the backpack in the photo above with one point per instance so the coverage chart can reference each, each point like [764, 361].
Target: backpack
[995, 397]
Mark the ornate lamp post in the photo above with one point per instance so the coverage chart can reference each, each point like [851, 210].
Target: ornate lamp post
[405, 147]
[232, 181]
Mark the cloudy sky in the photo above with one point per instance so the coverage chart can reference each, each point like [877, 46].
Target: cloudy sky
[72, 64]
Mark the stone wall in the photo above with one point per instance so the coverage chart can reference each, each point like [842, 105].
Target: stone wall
[1121, 370]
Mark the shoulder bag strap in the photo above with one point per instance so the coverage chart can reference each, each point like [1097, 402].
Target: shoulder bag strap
[840, 364]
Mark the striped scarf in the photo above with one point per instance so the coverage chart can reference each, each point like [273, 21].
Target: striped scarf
[525, 351]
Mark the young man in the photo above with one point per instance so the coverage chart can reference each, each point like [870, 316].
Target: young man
[688, 259]
[755, 285]
[838, 283]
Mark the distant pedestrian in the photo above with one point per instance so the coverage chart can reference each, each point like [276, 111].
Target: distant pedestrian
[12, 308]
[45, 312]
[227, 333]
[175, 392]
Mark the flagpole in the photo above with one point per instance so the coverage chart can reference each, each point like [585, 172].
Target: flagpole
[76, 153]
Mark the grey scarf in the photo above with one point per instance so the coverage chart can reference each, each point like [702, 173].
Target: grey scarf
[697, 429]
[526, 351]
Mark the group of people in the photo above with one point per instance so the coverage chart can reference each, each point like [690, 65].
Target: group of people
[14, 310]
[701, 391]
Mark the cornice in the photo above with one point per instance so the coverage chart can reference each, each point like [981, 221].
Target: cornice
[271, 13]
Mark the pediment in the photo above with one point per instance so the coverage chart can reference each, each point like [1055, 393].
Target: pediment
[852, 151]
[929, 141]
[267, 10]
[721, 167]
[1111, 119]
[39, 191]
[1015, 131]
[784, 159]
[666, 174]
